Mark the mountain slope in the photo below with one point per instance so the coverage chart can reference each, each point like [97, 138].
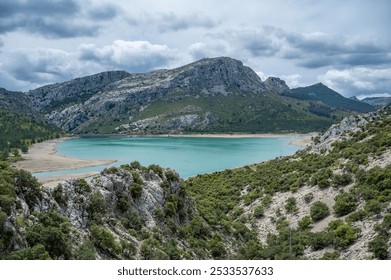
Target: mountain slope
[320, 92]
[209, 95]
[377, 101]
[20, 125]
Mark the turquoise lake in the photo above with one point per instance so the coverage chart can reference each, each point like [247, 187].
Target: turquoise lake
[188, 156]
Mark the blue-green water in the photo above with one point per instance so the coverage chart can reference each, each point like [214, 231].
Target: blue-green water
[188, 156]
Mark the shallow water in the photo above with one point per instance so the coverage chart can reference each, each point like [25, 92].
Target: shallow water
[188, 156]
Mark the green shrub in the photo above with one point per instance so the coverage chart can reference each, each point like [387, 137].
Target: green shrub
[344, 204]
[258, 211]
[291, 205]
[123, 203]
[104, 240]
[6, 203]
[305, 223]
[308, 197]
[343, 234]
[137, 178]
[378, 246]
[52, 230]
[157, 169]
[97, 207]
[81, 186]
[135, 164]
[319, 211]
[86, 251]
[28, 186]
[171, 176]
[341, 180]
[373, 207]
[136, 190]
[58, 195]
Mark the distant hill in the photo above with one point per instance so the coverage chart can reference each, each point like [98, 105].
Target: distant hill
[377, 101]
[209, 95]
[329, 97]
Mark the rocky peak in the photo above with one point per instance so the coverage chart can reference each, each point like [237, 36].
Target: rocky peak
[276, 85]
[224, 72]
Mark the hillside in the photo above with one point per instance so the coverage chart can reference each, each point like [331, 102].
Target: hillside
[330, 98]
[209, 95]
[20, 125]
[377, 101]
[330, 201]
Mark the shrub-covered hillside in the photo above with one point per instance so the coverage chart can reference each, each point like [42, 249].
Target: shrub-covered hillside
[329, 204]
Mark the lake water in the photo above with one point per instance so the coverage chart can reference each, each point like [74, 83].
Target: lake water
[188, 156]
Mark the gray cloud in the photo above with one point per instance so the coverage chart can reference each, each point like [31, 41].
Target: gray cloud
[103, 12]
[356, 81]
[172, 22]
[28, 69]
[309, 50]
[133, 56]
[53, 19]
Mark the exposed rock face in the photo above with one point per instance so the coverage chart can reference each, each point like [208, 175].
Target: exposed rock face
[109, 200]
[276, 85]
[79, 103]
[337, 131]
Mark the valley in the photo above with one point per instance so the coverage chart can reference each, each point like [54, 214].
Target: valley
[328, 200]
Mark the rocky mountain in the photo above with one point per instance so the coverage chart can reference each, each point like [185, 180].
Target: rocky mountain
[377, 101]
[209, 95]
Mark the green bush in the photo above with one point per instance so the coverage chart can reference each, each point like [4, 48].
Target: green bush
[135, 164]
[378, 246]
[6, 203]
[341, 180]
[28, 186]
[104, 240]
[86, 251]
[319, 211]
[136, 190]
[58, 195]
[344, 204]
[291, 205]
[171, 176]
[81, 186]
[343, 234]
[373, 207]
[97, 207]
[308, 197]
[52, 231]
[258, 211]
[305, 223]
[157, 169]
[123, 203]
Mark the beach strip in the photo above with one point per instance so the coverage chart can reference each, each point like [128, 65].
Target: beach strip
[43, 157]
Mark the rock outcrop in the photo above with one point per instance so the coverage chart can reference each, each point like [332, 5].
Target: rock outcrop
[338, 132]
[276, 85]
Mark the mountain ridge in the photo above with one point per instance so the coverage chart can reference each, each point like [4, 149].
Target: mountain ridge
[211, 95]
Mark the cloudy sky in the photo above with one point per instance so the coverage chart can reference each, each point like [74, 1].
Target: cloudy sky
[343, 44]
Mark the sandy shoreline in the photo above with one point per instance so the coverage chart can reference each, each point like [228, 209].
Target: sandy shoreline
[43, 157]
